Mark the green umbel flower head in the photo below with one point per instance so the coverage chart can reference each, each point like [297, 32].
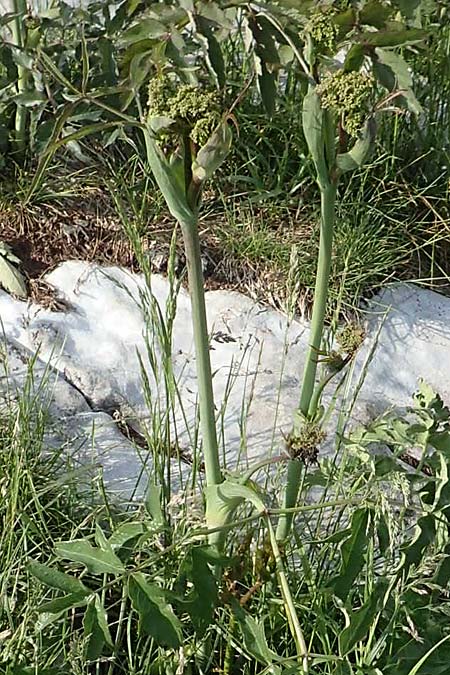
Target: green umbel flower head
[195, 111]
[349, 95]
[322, 29]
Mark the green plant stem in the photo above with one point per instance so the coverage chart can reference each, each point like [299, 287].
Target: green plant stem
[328, 202]
[201, 340]
[18, 36]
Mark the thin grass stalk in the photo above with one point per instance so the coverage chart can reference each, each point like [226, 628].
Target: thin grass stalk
[328, 205]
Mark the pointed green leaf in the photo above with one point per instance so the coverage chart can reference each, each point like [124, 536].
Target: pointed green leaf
[56, 579]
[424, 534]
[202, 602]
[144, 30]
[29, 98]
[393, 38]
[62, 604]
[167, 181]
[11, 279]
[359, 153]
[254, 637]
[212, 48]
[94, 559]
[153, 503]
[375, 13]
[354, 58]
[352, 553]
[222, 500]
[361, 621]
[266, 59]
[313, 131]
[156, 617]
[96, 629]
[125, 533]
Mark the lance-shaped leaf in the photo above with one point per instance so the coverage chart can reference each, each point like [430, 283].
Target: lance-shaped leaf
[213, 52]
[359, 153]
[145, 29]
[266, 59]
[53, 578]
[313, 131]
[96, 629]
[156, 617]
[167, 181]
[254, 637]
[401, 76]
[361, 621]
[213, 153]
[354, 58]
[204, 598]
[352, 553]
[393, 38]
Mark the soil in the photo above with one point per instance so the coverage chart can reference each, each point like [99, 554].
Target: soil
[87, 228]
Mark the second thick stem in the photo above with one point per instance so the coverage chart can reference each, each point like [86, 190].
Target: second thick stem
[328, 202]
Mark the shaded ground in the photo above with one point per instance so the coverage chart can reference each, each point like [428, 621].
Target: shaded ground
[88, 228]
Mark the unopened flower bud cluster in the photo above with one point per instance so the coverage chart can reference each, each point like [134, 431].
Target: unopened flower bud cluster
[195, 111]
[322, 30]
[348, 94]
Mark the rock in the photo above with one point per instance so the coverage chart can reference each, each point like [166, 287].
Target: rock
[115, 326]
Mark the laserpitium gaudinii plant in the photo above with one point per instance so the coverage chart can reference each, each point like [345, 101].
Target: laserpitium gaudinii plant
[339, 125]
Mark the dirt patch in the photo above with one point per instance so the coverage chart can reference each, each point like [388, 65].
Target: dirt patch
[87, 228]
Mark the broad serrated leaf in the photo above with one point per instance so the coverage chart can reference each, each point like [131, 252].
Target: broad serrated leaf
[352, 553]
[96, 629]
[94, 559]
[402, 76]
[56, 579]
[360, 152]
[156, 616]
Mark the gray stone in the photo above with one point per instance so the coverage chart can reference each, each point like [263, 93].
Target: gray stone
[113, 328]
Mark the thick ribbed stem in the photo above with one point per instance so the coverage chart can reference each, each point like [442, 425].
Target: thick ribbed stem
[18, 36]
[328, 201]
[201, 340]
